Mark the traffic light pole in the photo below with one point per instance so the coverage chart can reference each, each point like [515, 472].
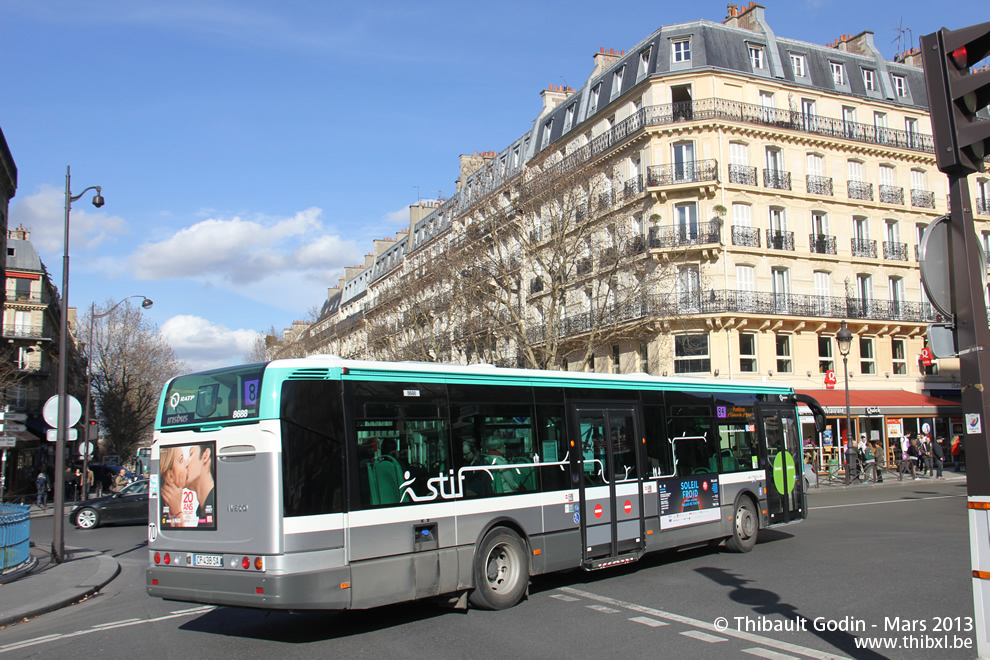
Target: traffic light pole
[973, 339]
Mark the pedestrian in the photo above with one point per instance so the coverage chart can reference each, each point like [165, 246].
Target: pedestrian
[879, 460]
[41, 483]
[956, 449]
[926, 455]
[938, 455]
[120, 481]
[869, 460]
[89, 482]
[903, 464]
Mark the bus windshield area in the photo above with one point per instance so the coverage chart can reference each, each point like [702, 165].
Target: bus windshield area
[210, 396]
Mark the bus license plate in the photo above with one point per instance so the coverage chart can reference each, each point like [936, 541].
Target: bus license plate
[208, 560]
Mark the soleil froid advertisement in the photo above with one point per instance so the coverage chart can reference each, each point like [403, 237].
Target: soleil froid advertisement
[187, 486]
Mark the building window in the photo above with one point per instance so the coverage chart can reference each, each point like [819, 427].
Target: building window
[617, 81]
[682, 50]
[747, 353]
[870, 80]
[900, 86]
[898, 356]
[689, 289]
[867, 360]
[756, 56]
[691, 354]
[615, 359]
[569, 117]
[644, 356]
[797, 64]
[547, 127]
[644, 61]
[838, 73]
[784, 365]
[593, 101]
[825, 362]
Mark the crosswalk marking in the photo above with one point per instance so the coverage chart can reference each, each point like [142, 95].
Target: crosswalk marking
[647, 621]
[704, 637]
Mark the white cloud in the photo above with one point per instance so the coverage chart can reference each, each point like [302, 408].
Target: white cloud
[400, 217]
[43, 214]
[239, 253]
[204, 345]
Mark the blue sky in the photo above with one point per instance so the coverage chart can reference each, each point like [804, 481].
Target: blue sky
[250, 150]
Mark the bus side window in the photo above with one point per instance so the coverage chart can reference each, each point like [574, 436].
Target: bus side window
[660, 460]
[552, 448]
[693, 446]
[737, 447]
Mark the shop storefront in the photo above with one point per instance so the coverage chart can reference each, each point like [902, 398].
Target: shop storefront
[883, 415]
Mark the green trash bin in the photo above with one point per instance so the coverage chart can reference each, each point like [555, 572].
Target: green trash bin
[833, 468]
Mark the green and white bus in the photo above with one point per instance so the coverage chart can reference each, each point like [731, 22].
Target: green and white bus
[324, 483]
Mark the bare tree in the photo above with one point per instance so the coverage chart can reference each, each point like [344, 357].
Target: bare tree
[131, 362]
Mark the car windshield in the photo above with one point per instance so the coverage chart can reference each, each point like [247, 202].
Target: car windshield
[139, 488]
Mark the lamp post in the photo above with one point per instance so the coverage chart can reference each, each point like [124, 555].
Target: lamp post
[844, 338]
[62, 432]
[145, 304]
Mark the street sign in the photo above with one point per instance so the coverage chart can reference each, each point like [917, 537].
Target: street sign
[941, 342]
[14, 416]
[830, 380]
[8, 441]
[86, 448]
[926, 356]
[52, 435]
[50, 411]
[11, 427]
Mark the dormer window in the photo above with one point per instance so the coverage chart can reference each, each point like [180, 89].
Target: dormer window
[569, 117]
[617, 81]
[838, 73]
[593, 102]
[681, 50]
[870, 80]
[644, 61]
[798, 65]
[547, 127]
[756, 56]
[900, 86]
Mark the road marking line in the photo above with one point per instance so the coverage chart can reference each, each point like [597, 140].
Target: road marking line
[705, 637]
[603, 608]
[566, 599]
[767, 653]
[120, 624]
[647, 621]
[114, 623]
[916, 499]
[695, 623]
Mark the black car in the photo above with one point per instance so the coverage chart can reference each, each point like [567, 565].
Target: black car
[129, 506]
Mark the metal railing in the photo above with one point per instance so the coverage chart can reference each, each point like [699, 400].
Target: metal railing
[860, 190]
[922, 199]
[24, 331]
[778, 179]
[690, 172]
[632, 187]
[822, 244]
[780, 240]
[671, 236]
[891, 194]
[742, 174]
[20, 296]
[15, 534]
[863, 247]
[819, 185]
[895, 251]
[746, 236]
[982, 206]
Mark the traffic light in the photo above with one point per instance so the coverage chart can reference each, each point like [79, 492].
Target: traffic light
[955, 95]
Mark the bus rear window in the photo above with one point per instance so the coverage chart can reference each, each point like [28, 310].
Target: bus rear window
[211, 396]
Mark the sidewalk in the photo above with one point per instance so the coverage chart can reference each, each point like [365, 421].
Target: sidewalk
[42, 585]
[889, 478]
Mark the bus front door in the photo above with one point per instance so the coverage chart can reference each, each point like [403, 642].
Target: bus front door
[785, 480]
[611, 499]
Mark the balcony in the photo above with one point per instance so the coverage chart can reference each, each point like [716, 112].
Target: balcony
[864, 247]
[679, 176]
[746, 236]
[21, 296]
[822, 244]
[922, 199]
[536, 285]
[703, 238]
[778, 179]
[742, 174]
[982, 206]
[819, 185]
[895, 251]
[606, 199]
[632, 187]
[772, 304]
[780, 240]
[891, 195]
[24, 332]
[860, 190]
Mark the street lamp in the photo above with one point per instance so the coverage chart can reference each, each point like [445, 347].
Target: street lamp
[62, 432]
[844, 338]
[145, 304]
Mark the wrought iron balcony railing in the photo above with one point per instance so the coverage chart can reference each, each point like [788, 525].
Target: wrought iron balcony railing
[780, 240]
[742, 174]
[632, 187]
[922, 199]
[778, 179]
[822, 244]
[864, 247]
[690, 172]
[891, 195]
[606, 199]
[745, 236]
[15, 296]
[895, 251]
[671, 236]
[24, 331]
[860, 190]
[819, 185]
[982, 206]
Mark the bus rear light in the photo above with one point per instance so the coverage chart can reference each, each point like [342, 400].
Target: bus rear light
[245, 563]
[259, 564]
[158, 558]
[154, 582]
[259, 590]
[345, 585]
[168, 559]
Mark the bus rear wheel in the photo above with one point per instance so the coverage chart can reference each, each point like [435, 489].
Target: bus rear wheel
[501, 570]
[745, 527]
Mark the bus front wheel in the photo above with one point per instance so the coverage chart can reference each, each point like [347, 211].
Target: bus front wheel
[745, 527]
[501, 570]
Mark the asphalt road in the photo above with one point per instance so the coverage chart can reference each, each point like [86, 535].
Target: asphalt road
[888, 564]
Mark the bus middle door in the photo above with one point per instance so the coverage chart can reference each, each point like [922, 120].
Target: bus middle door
[610, 486]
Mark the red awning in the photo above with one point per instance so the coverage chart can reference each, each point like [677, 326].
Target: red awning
[877, 399]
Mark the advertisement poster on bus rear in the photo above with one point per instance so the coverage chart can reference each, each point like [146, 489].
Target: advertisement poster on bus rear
[187, 486]
[688, 500]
